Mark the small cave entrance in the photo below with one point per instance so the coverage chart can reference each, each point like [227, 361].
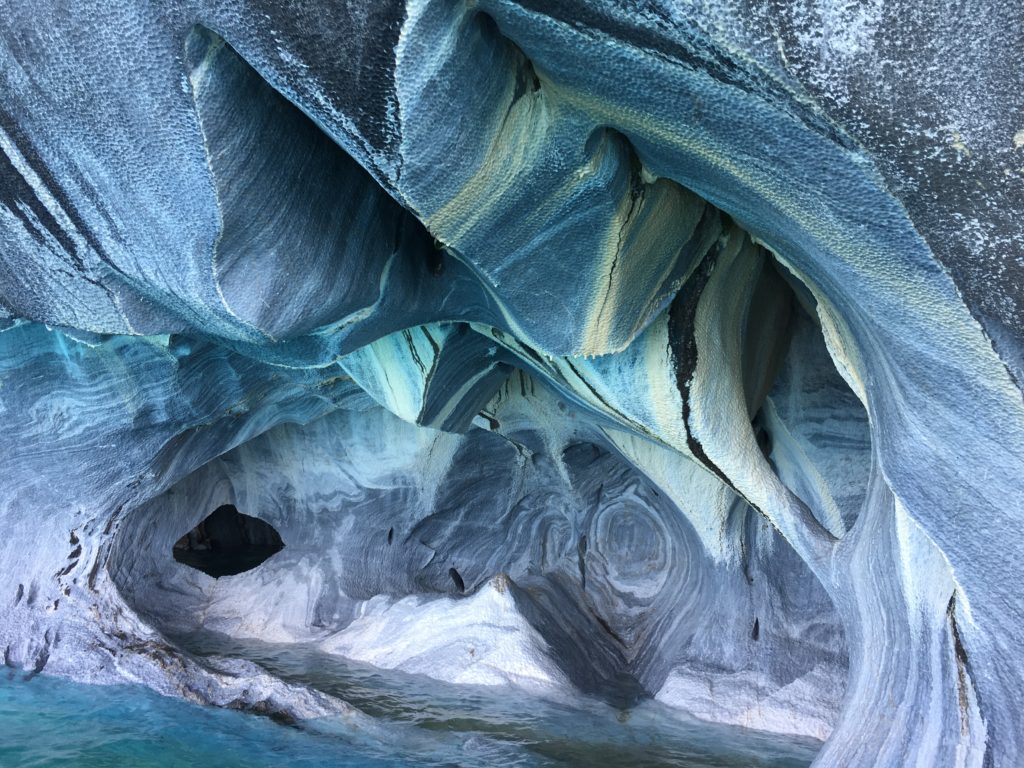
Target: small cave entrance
[227, 543]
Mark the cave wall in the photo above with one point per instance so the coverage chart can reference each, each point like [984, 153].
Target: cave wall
[719, 276]
[602, 583]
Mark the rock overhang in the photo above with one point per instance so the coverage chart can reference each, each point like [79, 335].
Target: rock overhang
[563, 225]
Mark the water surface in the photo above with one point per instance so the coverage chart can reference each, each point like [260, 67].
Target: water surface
[413, 721]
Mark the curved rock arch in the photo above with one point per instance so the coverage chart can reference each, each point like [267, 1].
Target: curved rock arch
[918, 581]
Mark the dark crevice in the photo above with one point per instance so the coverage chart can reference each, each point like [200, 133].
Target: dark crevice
[681, 319]
[767, 334]
[456, 578]
[227, 543]
[20, 189]
[964, 680]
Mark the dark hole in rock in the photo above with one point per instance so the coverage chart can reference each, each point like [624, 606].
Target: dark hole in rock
[457, 579]
[227, 543]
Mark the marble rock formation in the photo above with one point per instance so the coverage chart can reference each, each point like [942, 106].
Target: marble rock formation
[637, 350]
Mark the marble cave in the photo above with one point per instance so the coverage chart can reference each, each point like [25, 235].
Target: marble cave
[588, 373]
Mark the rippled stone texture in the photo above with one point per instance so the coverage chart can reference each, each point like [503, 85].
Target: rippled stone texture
[572, 346]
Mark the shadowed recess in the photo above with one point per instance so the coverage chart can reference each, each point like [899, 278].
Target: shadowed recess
[227, 543]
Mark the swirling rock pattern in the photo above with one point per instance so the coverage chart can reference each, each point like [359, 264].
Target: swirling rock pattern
[632, 351]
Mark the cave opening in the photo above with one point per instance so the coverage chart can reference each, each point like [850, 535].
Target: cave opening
[227, 543]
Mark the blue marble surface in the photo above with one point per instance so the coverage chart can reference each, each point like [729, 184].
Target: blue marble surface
[636, 351]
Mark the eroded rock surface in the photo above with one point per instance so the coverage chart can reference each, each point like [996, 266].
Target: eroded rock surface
[638, 351]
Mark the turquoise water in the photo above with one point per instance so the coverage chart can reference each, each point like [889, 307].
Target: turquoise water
[49, 722]
[412, 721]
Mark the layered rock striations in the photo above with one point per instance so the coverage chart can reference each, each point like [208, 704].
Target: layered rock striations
[574, 347]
